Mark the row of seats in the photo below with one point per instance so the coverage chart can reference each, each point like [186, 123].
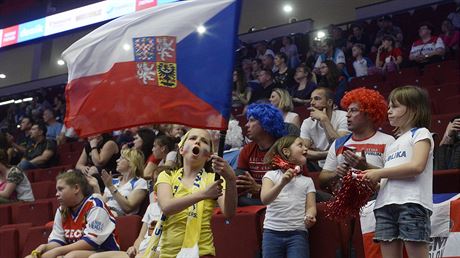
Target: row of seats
[24, 222]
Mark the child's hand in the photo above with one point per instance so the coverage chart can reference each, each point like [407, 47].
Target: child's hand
[309, 220]
[221, 167]
[214, 190]
[288, 176]
[372, 175]
[342, 170]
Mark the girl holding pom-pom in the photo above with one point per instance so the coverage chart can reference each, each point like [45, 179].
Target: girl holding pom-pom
[290, 200]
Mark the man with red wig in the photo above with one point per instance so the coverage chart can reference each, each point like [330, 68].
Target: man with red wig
[365, 146]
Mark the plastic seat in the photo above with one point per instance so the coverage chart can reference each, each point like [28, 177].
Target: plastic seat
[38, 212]
[128, 228]
[440, 93]
[5, 214]
[69, 159]
[446, 181]
[9, 240]
[48, 174]
[242, 237]
[449, 105]
[365, 81]
[78, 146]
[325, 236]
[35, 237]
[44, 190]
[22, 230]
[406, 76]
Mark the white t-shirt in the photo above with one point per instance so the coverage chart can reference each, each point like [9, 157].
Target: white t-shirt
[287, 211]
[338, 58]
[290, 116]
[374, 147]
[360, 67]
[417, 189]
[136, 183]
[313, 131]
[171, 156]
[152, 214]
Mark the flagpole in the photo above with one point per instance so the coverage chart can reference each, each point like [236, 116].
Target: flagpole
[220, 150]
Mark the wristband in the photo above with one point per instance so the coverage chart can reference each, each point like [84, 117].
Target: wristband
[93, 148]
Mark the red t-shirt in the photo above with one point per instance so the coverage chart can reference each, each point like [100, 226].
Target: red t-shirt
[395, 52]
[251, 159]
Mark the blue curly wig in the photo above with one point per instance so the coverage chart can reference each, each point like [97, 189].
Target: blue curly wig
[269, 117]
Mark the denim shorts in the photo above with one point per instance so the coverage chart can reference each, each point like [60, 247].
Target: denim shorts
[407, 222]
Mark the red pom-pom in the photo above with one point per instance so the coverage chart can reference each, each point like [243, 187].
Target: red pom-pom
[278, 162]
[350, 197]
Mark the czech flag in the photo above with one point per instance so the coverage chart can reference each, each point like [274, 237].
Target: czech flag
[167, 64]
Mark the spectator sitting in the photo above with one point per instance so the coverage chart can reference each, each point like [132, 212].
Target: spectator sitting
[281, 99]
[358, 36]
[263, 50]
[256, 68]
[233, 143]
[337, 35]
[265, 125]
[332, 78]
[389, 58]
[143, 141]
[450, 36]
[263, 90]
[22, 143]
[14, 184]
[428, 48]
[241, 93]
[361, 64]
[448, 153]
[331, 53]
[283, 76]
[246, 69]
[163, 154]
[52, 126]
[323, 126]
[125, 194]
[454, 17]
[268, 62]
[82, 225]
[100, 152]
[42, 153]
[291, 52]
[388, 29]
[306, 84]
[175, 131]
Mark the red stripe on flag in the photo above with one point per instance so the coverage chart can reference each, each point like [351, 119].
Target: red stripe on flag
[117, 99]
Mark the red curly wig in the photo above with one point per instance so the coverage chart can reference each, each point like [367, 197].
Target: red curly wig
[370, 102]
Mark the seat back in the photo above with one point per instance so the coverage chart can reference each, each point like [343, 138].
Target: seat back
[128, 228]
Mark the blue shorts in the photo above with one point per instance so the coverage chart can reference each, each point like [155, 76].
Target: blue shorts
[406, 222]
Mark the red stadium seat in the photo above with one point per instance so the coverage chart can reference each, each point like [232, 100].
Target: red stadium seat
[355, 246]
[23, 230]
[446, 181]
[9, 241]
[366, 81]
[64, 148]
[44, 190]
[449, 105]
[242, 237]
[78, 146]
[406, 76]
[440, 93]
[48, 174]
[325, 236]
[35, 237]
[69, 159]
[5, 214]
[128, 228]
[38, 212]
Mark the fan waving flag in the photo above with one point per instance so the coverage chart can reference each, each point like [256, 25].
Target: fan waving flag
[154, 66]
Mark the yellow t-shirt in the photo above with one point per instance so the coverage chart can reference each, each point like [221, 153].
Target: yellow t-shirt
[174, 226]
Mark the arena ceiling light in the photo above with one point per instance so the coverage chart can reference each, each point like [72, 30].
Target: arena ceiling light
[320, 35]
[60, 62]
[17, 101]
[287, 8]
[201, 29]
[2, 76]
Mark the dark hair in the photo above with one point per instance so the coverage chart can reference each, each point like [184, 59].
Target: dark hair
[240, 85]
[50, 110]
[429, 25]
[268, 71]
[328, 93]
[355, 25]
[389, 38]
[148, 137]
[28, 117]
[4, 157]
[42, 127]
[282, 56]
[331, 79]
[329, 42]
[258, 60]
[167, 141]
